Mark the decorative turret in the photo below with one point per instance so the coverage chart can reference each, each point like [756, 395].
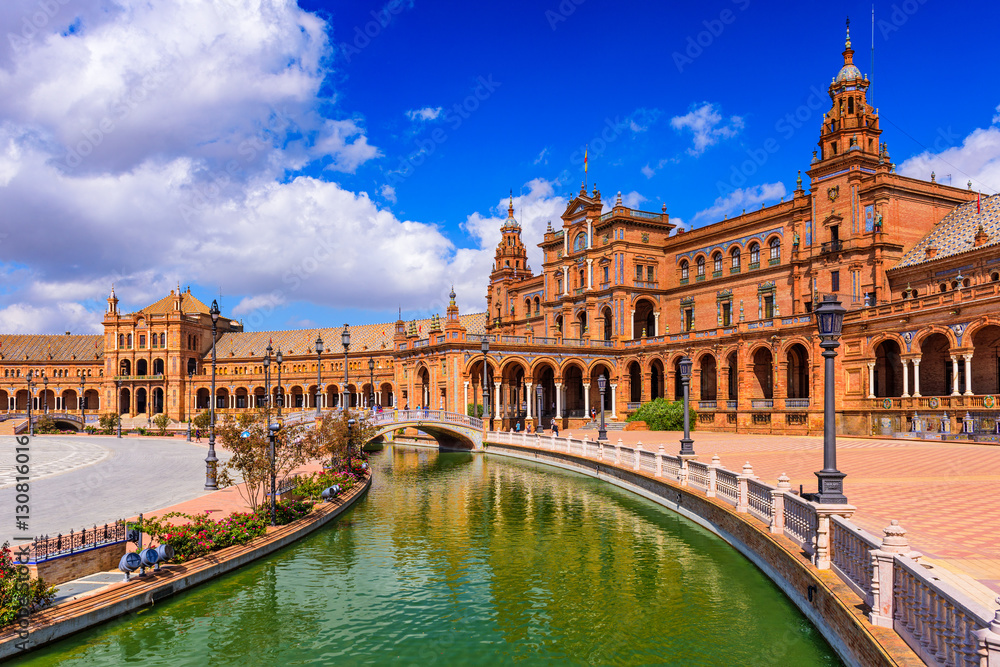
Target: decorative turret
[112, 302]
[509, 265]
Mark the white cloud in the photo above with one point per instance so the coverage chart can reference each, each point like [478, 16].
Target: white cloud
[741, 199]
[706, 124]
[425, 114]
[648, 171]
[976, 159]
[996, 119]
[388, 193]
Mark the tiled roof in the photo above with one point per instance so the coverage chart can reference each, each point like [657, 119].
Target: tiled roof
[364, 338]
[955, 233]
[189, 304]
[62, 348]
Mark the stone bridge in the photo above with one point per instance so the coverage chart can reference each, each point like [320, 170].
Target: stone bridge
[451, 429]
[62, 420]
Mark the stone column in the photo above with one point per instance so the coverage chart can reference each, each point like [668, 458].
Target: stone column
[778, 498]
[871, 379]
[631, 324]
[906, 379]
[590, 234]
[558, 401]
[968, 374]
[590, 274]
[821, 553]
[916, 378]
[527, 391]
[566, 285]
[586, 399]
[465, 406]
[743, 491]
[614, 400]
[656, 324]
[881, 600]
[954, 375]
[496, 399]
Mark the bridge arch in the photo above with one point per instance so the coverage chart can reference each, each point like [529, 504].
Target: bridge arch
[450, 429]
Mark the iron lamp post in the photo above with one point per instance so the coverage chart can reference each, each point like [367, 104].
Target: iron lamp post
[211, 461]
[687, 444]
[538, 394]
[45, 391]
[31, 397]
[119, 402]
[345, 340]
[602, 384]
[272, 434]
[830, 322]
[371, 380]
[83, 409]
[267, 381]
[280, 400]
[319, 373]
[188, 409]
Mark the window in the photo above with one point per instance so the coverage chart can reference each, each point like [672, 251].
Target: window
[768, 307]
[607, 271]
[638, 274]
[717, 262]
[734, 255]
[835, 281]
[583, 278]
[559, 288]
[727, 313]
[142, 342]
[684, 270]
[754, 255]
[775, 248]
[688, 322]
[130, 341]
[701, 267]
[649, 273]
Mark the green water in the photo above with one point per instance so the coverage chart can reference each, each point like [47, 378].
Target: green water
[474, 560]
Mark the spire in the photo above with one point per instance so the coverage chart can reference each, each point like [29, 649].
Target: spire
[510, 208]
[451, 295]
[847, 43]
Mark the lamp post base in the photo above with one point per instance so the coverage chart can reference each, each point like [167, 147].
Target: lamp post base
[687, 447]
[602, 433]
[831, 488]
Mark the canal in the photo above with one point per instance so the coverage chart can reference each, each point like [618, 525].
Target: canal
[455, 558]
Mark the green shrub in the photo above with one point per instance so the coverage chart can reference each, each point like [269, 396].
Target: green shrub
[14, 595]
[109, 422]
[162, 421]
[663, 415]
[312, 486]
[285, 511]
[474, 410]
[201, 535]
[202, 420]
[45, 425]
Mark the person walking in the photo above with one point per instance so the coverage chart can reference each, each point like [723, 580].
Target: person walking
[555, 427]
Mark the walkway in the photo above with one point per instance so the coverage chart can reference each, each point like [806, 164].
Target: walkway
[944, 494]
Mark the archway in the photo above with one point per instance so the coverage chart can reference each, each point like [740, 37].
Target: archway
[221, 399]
[763, 372]
[385, 395]
[678, 383]
[797, 372]
[643, 320]
[607, 319]
[242, 398]
[157, 401]
[573, 386]
[709, 380]
[513, 407]
[141, 404]
[477, 387]
[70, 400]
[424, 387]
[125, 402]
[935, 366]
[201, 399]
[125, 367]
[91, 399]
[986, 361]
[544, 375]
[21, 400]
[332, 396]
[596, 373]
[581, 324]
[158, 366]
[656, 373]
[732, 365]
[634, 382]
[888, 370]
[192, 366]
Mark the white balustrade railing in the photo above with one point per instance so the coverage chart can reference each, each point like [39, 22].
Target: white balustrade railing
[938, 622]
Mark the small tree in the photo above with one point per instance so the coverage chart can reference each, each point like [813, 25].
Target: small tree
[474, 410]
[44, 424]
[250, 461]
[162, 421]
[202, 420]
[663, 415]
[330, 440]
[109, 422]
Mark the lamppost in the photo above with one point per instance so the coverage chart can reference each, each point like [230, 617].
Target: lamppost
[319, 372]
[31, 397]
[345, 339]
[267, 381]
[830, 322]
[83, 410]
[119, 403]
[602, 384]
[687, 444]
[188, 409]
[272, 433]
[538, 420]
[281, 394]
[45, 391]
[211, 461]
[350, 440]
[371, 380]
[486, 392]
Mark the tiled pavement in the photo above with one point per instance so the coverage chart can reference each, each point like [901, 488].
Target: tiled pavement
[944, 493]
[59, 455]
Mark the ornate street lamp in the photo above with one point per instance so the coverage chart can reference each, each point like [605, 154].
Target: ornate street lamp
[83, 409]
[211, 461]
[830, 322]
[272, 433]
[350, 440]
[267, 381]
[119, 402]
[281, 394]
[45, 391]
[345, 339]
[188, 408]
[602, 384]
[371, 380]
[486, 392]
[687, 448]
[319, 372]
[31, 397]
[538, 395]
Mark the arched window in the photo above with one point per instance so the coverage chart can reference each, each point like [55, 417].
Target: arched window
[734, 254]
[130, 341]
[754, 253]
[121, 341]
[701, 266]
[775, 247]
[527, 307]
[717, 262]
[538, 306]
[163, 340]
[684, 270]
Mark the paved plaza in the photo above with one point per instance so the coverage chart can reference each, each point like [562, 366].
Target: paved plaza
[79, 481]
[943, 493]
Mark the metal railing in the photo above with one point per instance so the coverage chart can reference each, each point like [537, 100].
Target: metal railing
[46, 548]
[796, 402]
[761, 403]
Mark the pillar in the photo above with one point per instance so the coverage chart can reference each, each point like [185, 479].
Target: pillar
[916, 378]
[496, 399]
[465, 406]
[871, 379]
[954, 375]
[906, 378]
[656, 324]
[528, 401]
[968, 374]
[566, 281]
[631, 324]
[614, 400]
[558, 401]
[586, 400]
[590, 274]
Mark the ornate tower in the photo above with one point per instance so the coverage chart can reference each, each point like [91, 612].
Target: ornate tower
[509, 265]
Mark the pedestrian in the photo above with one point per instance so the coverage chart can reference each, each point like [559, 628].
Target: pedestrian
[517, 427]
[555, 427]
[197, 434]
[593, 413]
[527, 429]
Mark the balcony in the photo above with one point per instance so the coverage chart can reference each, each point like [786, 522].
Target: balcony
[684, 281]
[707, 405]
[796, 403]
[774, 261]
[831, 246]
[700, 277]
[632, 405]
[731, 404]
[754, 266]
[734, 270]
[716, 274]
[762, 403]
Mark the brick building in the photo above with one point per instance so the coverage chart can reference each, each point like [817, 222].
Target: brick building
[625, 294]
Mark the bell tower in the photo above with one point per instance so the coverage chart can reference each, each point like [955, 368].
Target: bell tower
[510, 265]
[851, 128]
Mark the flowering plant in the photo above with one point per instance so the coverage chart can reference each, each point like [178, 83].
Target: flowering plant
[201, 535]
[17, 593]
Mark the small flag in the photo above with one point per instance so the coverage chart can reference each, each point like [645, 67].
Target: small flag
[979, 201]
[585, 159]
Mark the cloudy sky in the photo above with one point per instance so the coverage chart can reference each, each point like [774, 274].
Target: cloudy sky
[321, 162]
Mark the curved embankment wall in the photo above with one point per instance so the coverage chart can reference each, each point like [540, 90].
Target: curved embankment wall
[54, 623]
[833, 608]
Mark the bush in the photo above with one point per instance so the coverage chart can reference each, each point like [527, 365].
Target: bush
[203, 420]
[474, 410]
[285, 511]
[201, 535]
[162, 421]
[45, 425]
[312, 486]
[663, 415]
[109, 422]
[14, 595]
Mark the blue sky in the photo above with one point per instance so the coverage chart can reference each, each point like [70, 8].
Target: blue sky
[324, 162]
